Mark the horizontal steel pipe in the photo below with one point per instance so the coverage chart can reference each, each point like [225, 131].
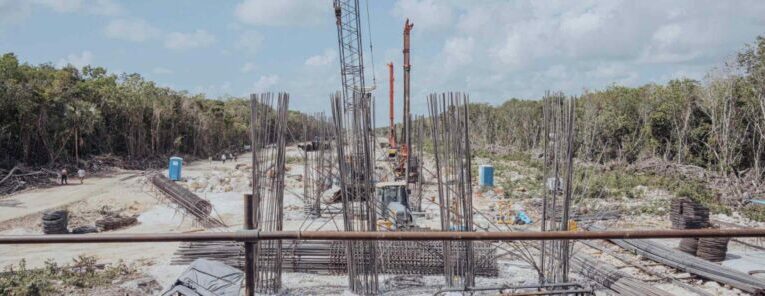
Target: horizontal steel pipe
[254, 235]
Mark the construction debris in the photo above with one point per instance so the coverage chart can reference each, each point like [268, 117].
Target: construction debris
[112, 222]
[207, 278]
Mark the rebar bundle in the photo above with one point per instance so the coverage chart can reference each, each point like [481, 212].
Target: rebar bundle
[558, 167]
[186, 201]
[269, 122]
[687, 263]
[609, 277]
[355, 156]
[451, 148]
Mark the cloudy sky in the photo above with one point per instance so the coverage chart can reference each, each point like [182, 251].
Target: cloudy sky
[493, 50]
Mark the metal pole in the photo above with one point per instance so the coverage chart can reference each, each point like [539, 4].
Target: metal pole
[249, 255]
[255, 235]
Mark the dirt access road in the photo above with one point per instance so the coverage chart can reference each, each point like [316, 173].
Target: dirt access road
[127, 190]
[58, 196]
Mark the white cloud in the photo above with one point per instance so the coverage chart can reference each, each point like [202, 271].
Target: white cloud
[161, 70]
[196, 39]
[97, 7]
[459, 50]
[284, 12]
[14, 11]
[250, 42]
[78, 60]
[427, 15]
[247, 68]
[136, 30]
[501, 49]
[322, 59]
[265, 83]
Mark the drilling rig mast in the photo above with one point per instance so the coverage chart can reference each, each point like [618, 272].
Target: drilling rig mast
[407, 166]
[392, 132]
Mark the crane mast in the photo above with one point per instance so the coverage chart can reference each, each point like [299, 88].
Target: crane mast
[351, 52]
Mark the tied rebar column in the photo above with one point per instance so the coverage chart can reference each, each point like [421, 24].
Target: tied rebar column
[355, 156]
[451, 149]
[269, 122]
[558, 117]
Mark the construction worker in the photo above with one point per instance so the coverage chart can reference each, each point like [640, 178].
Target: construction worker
[81, 175]
[64, 176]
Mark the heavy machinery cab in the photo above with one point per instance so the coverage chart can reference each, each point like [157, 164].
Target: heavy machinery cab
[394, 203]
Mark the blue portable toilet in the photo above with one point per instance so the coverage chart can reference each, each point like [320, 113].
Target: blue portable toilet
[486, 175]
[174, 170]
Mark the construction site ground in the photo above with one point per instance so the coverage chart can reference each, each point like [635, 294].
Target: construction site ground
[224, 184]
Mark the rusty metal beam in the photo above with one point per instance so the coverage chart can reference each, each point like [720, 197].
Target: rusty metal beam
[254, 235]
[249, 254]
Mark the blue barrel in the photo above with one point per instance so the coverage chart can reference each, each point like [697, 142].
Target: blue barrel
[174, 170]
[486, 175]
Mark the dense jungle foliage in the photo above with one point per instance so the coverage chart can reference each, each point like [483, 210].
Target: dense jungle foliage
[52, 115]
[717, 123]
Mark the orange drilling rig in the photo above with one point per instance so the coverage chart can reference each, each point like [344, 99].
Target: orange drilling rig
[392, 146]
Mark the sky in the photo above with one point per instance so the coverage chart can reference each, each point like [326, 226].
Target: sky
[492, 50]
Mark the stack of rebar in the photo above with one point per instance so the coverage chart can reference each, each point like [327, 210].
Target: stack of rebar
[689, 245]
[186, 201]
[713, 248]
[55, 222]
[688, 214]
[269, 122]
[328, 257]
[451, 148]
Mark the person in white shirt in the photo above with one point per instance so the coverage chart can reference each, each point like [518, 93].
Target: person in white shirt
[81, 175]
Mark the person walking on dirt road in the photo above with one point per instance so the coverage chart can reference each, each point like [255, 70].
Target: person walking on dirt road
[64, 176]
[81, 175]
